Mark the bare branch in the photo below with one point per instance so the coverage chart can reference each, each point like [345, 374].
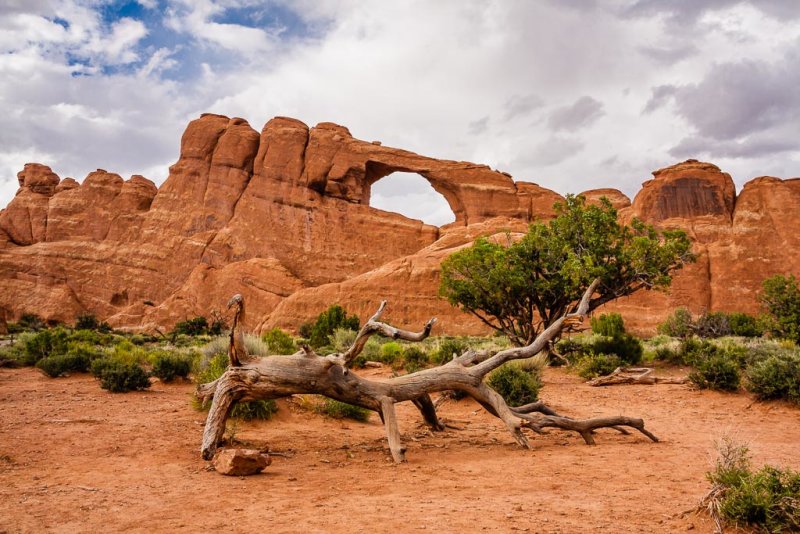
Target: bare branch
[373, 326]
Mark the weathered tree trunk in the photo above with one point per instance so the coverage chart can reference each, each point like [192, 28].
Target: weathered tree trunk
[273, 377]
[634, 375]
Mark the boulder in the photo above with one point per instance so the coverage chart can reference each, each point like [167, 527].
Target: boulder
[240, 462]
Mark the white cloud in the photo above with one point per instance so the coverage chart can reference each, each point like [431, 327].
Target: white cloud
[571, 95]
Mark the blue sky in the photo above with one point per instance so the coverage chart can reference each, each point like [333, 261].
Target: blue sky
[571, 94]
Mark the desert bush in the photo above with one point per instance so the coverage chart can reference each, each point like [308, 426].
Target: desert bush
[30, 322]
[12, 355]
[371, 351]
[279, 341]
[767, 500]
[86, 322]
[319, 332]
[514, 384]
[627, 347]
[168, 366]
[342, 339]
[744, 325]
[781, 298]
[45, 343]
[72, 361]
[342, 410]
[717, 371]
[776, 377]
[447, 347]
[118, 376]
[391, 353]
[667, 354]
[679, 324]
[197, 326]
[608, 324]
[93, 337]
[594, 365]
[712, 325]
[415, 359]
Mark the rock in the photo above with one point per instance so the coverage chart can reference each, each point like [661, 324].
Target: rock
[240, 462]
[283, 217]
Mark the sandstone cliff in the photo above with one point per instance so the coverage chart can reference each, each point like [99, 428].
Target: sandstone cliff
[283, 217]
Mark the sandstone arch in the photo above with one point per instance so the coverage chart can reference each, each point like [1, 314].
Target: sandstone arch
[426, 203]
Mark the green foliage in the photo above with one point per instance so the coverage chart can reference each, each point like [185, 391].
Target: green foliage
[415, 359]
[77, 359]
[279, 341]
[514, 384]
[45, 343]
[594, 365]
[30, 322]
[117, 375]
[260, 409]
[192, 327]
[776, 377]
[608, 324]
[718, 371]
[627, 347]
[87, 322]
[781, 298]
[391, 352]
[744, 325]
[447, 348]
[520, 289]
[342, 410]
[712, 325]
[168, 366]
[767, 500]
[679, 324]
[319, 332]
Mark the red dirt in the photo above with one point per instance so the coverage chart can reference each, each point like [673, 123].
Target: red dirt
[74, 458]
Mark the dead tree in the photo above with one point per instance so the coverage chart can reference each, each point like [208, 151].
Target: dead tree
[274, 377]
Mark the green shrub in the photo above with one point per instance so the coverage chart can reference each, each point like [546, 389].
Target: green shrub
[319, 332]
[92, 337]
[744, 325]
[197, 326]
[594, 365]
[627, 347]
[608, 324]
[391, 353]
[667, 354]
[767, 500]
[371, 351]
[168, 366]
[776, 377]
[12, 355]
[30, 321]
[119, 376]
[342, 410]
[279, 341]
[87, 322]
[55, 366]
[50, 342]
[250, 410]
[514, 384]
[718, 372]
[679, 324]
[694, 350]
[447, 348]
[712, 325]
[415, 359]
[781, 298]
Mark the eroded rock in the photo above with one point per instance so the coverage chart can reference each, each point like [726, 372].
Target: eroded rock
[240, 462]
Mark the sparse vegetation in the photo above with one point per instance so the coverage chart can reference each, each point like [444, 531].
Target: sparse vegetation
[516, 385]
[767, 499]
[594, 365]
[279, 341]
[118, 376]
[776, 377]
[608, 324]
[718, 372]
[781, 298]
[319, 332]
[342, 410]
[168, 366]
[197, 326]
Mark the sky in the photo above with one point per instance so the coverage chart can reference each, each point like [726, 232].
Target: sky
[569, 94]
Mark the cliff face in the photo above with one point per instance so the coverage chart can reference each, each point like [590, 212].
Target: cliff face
[283, 217]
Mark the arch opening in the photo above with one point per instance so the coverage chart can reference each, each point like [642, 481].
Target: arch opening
[412, 196]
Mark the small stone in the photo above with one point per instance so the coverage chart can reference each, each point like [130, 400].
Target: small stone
[240, 462]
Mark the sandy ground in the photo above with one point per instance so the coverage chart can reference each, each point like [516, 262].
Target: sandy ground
[74, 458]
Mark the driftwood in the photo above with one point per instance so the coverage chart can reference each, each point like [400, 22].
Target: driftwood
[634, 375]
[273, 377]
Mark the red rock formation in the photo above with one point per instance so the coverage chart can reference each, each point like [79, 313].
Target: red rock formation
[283, 217]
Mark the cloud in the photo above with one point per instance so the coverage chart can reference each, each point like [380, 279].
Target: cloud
[479, 126]
[583, 112]
[572, 95]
